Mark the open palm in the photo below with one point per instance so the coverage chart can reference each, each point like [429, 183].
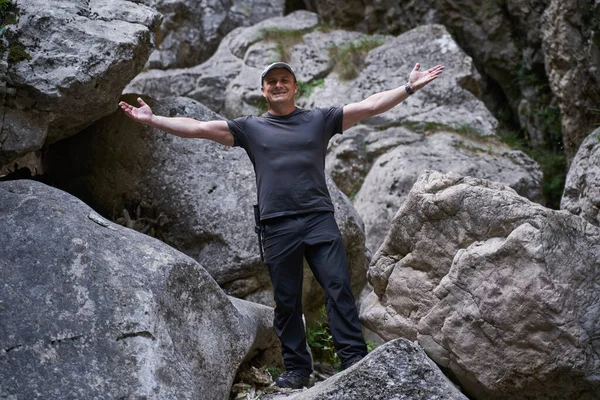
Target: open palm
[419, 79]
[141, 114]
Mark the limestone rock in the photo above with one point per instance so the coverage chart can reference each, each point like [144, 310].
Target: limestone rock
[497, 289]
[191, 30]
[71, 61]
[570, 40]
[204, 83]
[450, 100]
[205, 191]
[582, 187]
[383, 16]
[218, 77]
[91, 309]
[395, 370]
[395, 157]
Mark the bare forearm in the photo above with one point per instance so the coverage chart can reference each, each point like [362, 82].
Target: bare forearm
[384, 101]
[179, 126]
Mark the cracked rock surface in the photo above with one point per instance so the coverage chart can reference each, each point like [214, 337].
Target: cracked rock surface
[497, 289]
[90, 309]
[75, 59]
[582, 186]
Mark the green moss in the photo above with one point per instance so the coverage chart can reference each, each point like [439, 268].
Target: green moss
[285, 40]
[17, 53]
[348, 59]
[8, 14]
[305, 88]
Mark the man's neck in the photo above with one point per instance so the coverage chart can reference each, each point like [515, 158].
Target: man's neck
[281, 109]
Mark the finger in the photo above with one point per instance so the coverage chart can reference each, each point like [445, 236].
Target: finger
[142, 103]
[417, 67]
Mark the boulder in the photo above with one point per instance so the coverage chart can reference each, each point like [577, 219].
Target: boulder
[91, 309]
[570, 41]
[398, 369]
[582, 187]
[504, 38]
[191, 30]
[67, 65]
[393, 174]
[451, 100]
[383, 16]
[203, 190]
[216, 79]
[497, 289]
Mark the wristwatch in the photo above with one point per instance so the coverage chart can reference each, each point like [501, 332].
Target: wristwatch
[409, 89]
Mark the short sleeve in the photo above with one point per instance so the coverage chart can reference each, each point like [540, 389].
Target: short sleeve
[237, 128]
[334, 119]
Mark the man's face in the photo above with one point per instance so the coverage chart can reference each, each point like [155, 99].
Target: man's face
[279, 86]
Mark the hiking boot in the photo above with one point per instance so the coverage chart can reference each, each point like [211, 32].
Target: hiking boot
[293, 380]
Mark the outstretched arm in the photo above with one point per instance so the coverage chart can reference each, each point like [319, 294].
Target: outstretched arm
[383, 101]
[217, 131]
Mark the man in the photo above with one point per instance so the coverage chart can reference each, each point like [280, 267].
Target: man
[287, 147]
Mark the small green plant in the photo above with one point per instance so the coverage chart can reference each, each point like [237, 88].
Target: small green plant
[305, 88]
[349, 58]
[8, 15]
[275, 372]
[320, 341]
[285, 40]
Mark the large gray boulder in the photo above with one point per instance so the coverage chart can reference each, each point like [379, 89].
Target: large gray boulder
[497, 289]
[450, 100]
[204, 190]
[216, 79]
[191, 30]
[393, 174]
[570, 32]
[582, 186]
[504, 38]
[91, 309]
[69, 62]
[395, 370]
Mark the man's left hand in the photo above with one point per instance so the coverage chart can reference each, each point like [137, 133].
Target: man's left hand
[418, 79]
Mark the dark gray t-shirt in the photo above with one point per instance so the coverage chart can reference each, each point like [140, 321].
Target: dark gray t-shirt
[288, 154]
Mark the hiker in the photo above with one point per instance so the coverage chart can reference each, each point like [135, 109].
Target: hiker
[287, 146]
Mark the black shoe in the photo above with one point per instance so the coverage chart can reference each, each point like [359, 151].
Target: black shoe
[351, 361]
[293, 380]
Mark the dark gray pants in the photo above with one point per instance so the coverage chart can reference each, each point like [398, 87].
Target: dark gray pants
[317, 237]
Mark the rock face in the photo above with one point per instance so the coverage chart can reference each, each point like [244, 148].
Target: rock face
[448, 101]
[205, 191]
[91, 309]
[191, 31]
[504, 39]
[499, 290]
[582, 187]
[570, 40]
[393, 174]
[296, 38]
[384, 16]
[396, 370]
[213, 80]
[70, 61]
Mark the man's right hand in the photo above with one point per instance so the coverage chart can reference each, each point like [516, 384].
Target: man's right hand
[142, 114]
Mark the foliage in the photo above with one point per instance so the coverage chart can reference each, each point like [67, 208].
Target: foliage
[285, 40]
[305, 88]
[320, 340]
[17, 53]
[275, 372]
[349, 58]
[8, 14]
[552, 161]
